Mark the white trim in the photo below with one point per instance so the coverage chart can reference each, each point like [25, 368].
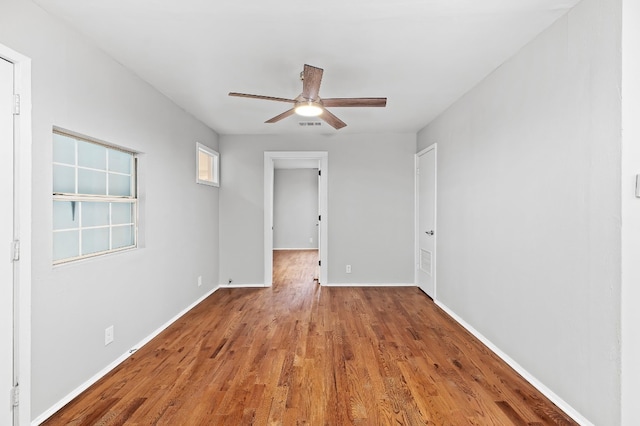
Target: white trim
[65, 196]
[559, 402]
[77, 391]
[630, 217]
[269, 158]
[434, 267]
[98, 254]
[370, 285]
[85, 259]
[23, 141]
[302, 248]
[242, 285]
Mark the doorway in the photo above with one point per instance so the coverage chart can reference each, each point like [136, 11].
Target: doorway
[295, 220]
[426, 176]
[290, 160]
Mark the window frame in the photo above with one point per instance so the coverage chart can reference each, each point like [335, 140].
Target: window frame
[214, 157]
[131, 199]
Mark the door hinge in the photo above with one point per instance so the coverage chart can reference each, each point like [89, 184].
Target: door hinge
[15, 249]
[319, 262]
[16, 104]
[319, 172]
[320, 217]
[15, 396]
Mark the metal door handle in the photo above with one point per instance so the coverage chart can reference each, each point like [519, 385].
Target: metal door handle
[428, 232]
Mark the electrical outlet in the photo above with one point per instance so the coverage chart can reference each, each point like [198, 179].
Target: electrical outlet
[310, 239]
[230, 281]
[199, 280]
[108, 335]
[348, 269]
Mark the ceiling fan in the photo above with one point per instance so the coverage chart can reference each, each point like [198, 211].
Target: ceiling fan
[309, 103]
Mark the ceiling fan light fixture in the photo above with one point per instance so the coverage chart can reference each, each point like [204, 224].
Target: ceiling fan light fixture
[308, 109]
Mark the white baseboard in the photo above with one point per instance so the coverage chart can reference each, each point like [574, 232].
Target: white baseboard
[261, 285]
[562, 404]
[77, 391]
[369, 285]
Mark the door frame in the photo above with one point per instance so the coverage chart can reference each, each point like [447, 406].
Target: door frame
[323, 235]
[434, 148]
[22, 229]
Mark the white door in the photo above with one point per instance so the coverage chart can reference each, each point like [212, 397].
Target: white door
[426, 186]
[6, 239]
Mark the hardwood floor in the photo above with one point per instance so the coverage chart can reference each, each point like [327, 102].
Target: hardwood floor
[299, 353]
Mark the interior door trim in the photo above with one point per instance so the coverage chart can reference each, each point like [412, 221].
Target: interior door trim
[269, 158]
[22, 231]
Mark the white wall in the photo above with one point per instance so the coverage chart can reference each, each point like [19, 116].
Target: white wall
[295, 208]
[370, 205]
[529, 208]
[77, 87]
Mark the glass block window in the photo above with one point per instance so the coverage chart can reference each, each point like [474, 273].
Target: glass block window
[94, 198]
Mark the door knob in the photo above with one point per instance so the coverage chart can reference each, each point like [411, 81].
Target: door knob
[428, 232]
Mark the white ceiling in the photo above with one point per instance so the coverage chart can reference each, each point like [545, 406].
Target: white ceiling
[421, 54]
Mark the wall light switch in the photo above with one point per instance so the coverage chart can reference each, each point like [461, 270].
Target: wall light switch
[637, 186]
[108, 335]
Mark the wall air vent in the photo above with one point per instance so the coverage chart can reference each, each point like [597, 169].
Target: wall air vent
[310, 123]
[425, 261]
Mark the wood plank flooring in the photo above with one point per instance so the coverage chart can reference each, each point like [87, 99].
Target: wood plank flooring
[299, 353]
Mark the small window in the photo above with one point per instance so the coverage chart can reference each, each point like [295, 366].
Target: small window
[207, 165]
[94, 198]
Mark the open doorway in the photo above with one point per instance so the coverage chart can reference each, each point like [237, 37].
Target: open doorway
[295, 221]
[295, 211]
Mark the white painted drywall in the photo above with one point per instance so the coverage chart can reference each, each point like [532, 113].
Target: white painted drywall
[295, 208]
[529, 208]
[78, 87]
[370, 204]
[630, 293]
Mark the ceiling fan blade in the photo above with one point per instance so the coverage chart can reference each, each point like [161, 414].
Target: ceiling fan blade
[332, 120]
[311, 79]
[267, 98]
[281, 116]
[355, 102]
